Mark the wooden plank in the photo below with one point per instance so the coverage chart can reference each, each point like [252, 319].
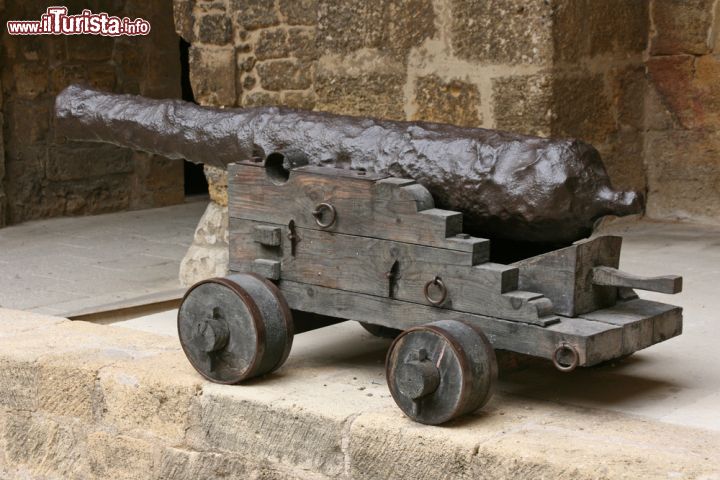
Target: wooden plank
[613, 277]
[366, 205]
[565, 275]
[267, 268]
[595, 341]
[400, 270]
[644, 322]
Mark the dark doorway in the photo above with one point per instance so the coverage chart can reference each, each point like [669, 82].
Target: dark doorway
[195, 181]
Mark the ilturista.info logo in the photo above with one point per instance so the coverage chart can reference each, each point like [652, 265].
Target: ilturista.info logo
[56, 21]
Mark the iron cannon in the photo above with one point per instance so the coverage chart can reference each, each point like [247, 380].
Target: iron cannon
[508, 186]
[311, 244]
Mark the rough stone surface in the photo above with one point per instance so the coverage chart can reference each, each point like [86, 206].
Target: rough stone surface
[217, 184]
[681, 26]
[213, 75]
[455, 101]
[587, 28]
[214, 29]
[44, 178]
[390, 26]
[523, 103]
[684, 178]
[208, 255]
[502, 31]
[276, 75]
[688, 86]
[378, 95]
[280, 427]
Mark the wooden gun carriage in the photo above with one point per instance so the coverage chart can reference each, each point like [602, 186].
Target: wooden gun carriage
[317, 242]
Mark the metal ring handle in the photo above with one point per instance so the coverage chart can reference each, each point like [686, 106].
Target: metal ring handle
[317, 213]
[437, 281]
[566, 347]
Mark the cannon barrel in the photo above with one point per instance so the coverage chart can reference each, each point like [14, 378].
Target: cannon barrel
[508, 185]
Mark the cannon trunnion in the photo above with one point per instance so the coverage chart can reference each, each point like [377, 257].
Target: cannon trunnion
[373, 248]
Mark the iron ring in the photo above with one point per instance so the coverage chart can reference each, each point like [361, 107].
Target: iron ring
[437, 281]
[566, 347]
[317, 214]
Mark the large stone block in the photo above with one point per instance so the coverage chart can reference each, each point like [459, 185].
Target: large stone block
[31, 79]
[623, 156]
[299, 12]
[215, 29]
[276, 75]
[581, 107]
[271, 44]
[523, 103]
[120, 457]
[45, 447]
[628, 87]
[502, 31]
[688, 86]
[454, 101]
[681, 26]
[683, 174]
[302, 43]
[212, 75]
[372, 94]
[587, 28]
[149, 396]
[77, 161]
[254, 14]
[180, 464]
[184, 20]
[226, 421]
[391, 26]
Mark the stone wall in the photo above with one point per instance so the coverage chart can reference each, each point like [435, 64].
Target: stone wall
[682, 144]
[581, 68]
[44, 178]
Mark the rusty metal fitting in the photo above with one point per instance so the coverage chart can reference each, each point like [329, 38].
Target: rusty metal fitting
[318, 215]
[437, 281]
[566, 357]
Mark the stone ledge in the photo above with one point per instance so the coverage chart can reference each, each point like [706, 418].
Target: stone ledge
[79, 400]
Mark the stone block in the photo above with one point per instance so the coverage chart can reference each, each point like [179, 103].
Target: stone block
[90, 48]
[208, 256]
[299, 12]
[28, 122]
[215, 29]
[67, 74]
[587, 28]
[150, 395]
[254, 14]
[373, 94]
[391, 26]
[623, 157]
[31, 79]
[102, 76]
[681, 26]
[523, 103]
[224, 420]
[688, 86]
[302, 43]
[120, 457]
[212, 75]
[44, 447]
[184, 20]
[217, 184]
[302, 100]
[271, 44]
[684, 174]
[276, 75]
[452, 101]
[582, 107]
[260, 99]
[79, 160]
[628, 85]
[502, 31]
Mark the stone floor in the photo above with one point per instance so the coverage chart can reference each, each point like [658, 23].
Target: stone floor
[65, 265]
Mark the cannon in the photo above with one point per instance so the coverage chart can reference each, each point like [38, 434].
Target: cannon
[509, 186]
[312, 244]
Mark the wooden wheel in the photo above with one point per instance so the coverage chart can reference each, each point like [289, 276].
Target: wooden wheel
[439, 371]
[235, 328]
